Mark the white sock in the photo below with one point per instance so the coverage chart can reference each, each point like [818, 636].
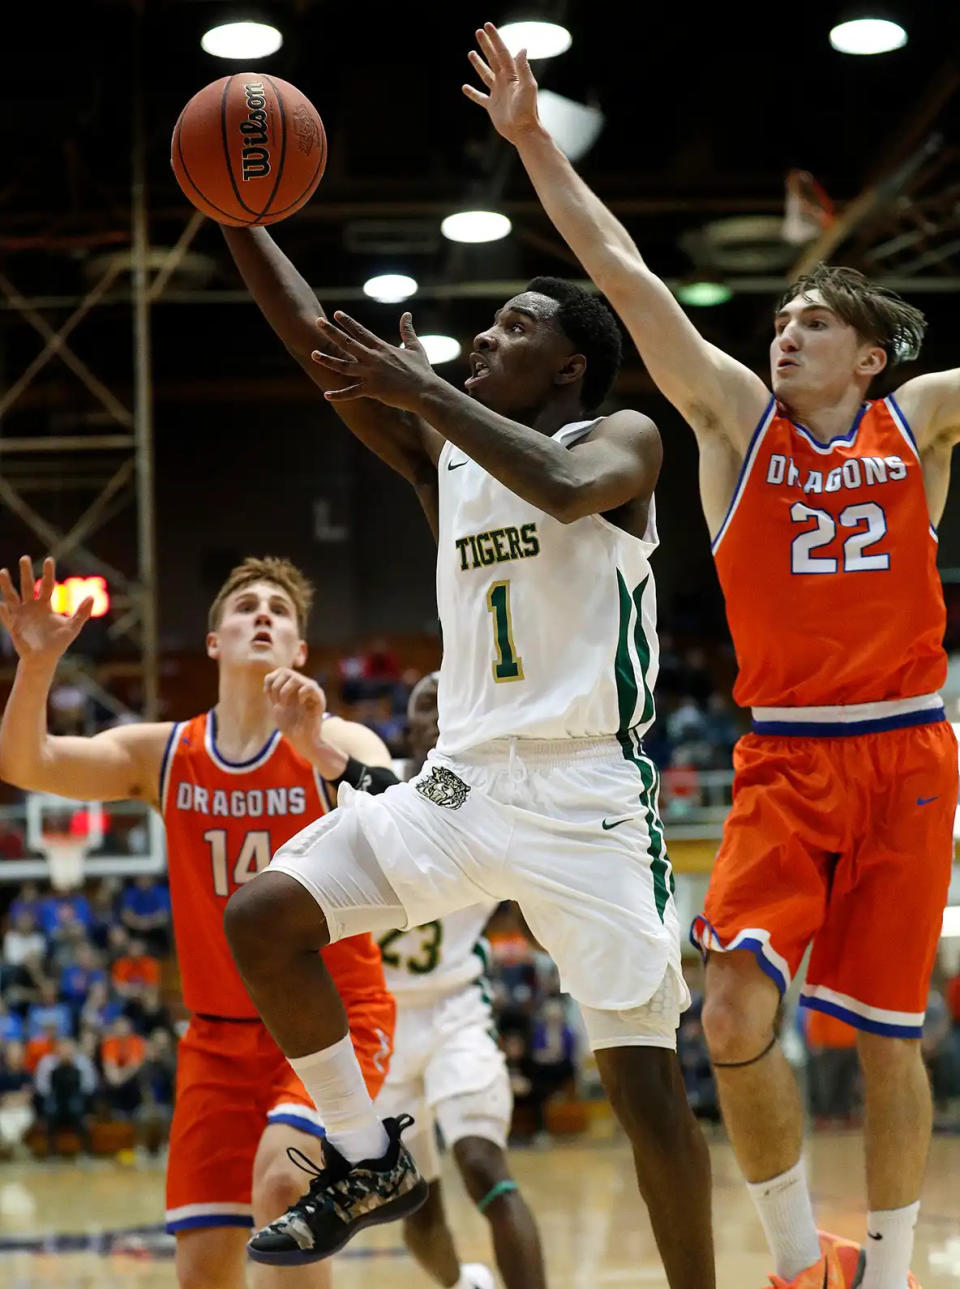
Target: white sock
[464, 1281]
[334, 1081]
[786, 1214]
[890, 1247]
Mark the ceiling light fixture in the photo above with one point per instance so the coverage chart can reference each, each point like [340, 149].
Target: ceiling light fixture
[868, 36]
[241, 40]
[539, 39]
[475, 226]
[390, 288]
[703, 295]
[440, 349]
[573, 126]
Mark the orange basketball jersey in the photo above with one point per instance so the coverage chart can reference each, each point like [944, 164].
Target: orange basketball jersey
[827, 560]
[224, 820]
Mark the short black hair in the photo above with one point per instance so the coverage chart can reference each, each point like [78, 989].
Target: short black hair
[590, 325]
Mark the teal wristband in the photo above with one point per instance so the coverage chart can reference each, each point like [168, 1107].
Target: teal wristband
[501, 1188]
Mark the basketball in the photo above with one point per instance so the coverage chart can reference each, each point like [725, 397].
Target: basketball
[248, 149]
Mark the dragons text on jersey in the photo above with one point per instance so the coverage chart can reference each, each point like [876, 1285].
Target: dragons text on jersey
[224, 821]
[827, 560]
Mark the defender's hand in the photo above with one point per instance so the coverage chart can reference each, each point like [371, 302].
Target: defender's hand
[39, 634]
[511, 102]
[297, 705]
[370, 367]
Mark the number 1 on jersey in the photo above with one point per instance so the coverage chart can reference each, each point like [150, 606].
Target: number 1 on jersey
[508, 666]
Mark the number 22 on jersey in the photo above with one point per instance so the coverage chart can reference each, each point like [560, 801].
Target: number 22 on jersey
[871, 525]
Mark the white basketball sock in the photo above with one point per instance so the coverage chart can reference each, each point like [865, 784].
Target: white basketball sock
[335, 1083]
[889, 1246]
[786, 1214]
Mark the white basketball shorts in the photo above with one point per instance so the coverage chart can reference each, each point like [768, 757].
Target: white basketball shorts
[568, 829]
[447, 1069]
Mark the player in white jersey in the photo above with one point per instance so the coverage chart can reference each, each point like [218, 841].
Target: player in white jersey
[447, 1069]
[539, 790]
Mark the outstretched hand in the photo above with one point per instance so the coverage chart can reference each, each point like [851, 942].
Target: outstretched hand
[38, 633]
[370, 367]
[512, 99]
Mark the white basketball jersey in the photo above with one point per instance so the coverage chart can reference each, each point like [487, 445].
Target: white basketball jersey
[549, 629]
[439, 958]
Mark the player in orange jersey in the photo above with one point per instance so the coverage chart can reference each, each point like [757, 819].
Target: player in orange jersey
[822, 506]
[232, 785]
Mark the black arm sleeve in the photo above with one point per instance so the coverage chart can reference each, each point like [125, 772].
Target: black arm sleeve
[366, 778]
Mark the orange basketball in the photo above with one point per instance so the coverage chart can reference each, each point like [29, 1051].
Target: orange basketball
[248, 149]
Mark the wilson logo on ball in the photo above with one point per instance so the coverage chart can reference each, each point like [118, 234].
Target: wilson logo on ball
[255, 159]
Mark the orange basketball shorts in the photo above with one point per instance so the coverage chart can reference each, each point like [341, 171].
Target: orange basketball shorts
[232, 1081]
[846, 842]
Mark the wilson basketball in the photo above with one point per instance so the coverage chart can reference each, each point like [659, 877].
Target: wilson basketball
[248, 149]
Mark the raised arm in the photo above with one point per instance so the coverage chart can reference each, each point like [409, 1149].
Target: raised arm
[405, 442]
[617, 462]
[112, 766]
[712, 391]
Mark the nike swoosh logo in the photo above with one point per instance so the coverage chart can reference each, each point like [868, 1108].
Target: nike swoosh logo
[921, 801]
[871, 1236]
[617, 822]
[455, 465]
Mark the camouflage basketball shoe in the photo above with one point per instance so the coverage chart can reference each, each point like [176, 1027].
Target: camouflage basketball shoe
[343, 1199]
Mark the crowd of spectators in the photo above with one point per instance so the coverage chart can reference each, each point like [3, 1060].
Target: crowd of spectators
[85, 1033]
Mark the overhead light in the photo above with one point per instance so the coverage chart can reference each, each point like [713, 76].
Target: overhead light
[868, 36]
[242, 40]
[475, 226]
[389, 288]
[702, 295]
[951, 922]
[539, 39]
[440, 349]
[573, 126]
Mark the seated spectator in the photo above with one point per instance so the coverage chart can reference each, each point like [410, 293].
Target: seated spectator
[65, 1082]
[103, 910]
[70, 933]
[41, 1046]
[61, 910]
[22, 985]
[552, 1047]
[145, 912]
[135, 971]
[49, 1011]
[834, 1069]
[16, 1097]
[118, 943]
[79, 977]
[11, 1025]
[680, 785]
[26, 900]
[122, 1055]
[158, 1076]
[148, 1012]
[686, 723]
[100, 1009]
[22, 939]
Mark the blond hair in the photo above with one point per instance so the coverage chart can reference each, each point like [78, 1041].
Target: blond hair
[268, 569]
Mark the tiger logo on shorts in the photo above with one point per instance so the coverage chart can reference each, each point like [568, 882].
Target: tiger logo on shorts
[443, 788]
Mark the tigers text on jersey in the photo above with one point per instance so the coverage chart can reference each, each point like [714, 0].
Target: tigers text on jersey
[549, 629]
[439, 958]
[223, 822]
[827, 560]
